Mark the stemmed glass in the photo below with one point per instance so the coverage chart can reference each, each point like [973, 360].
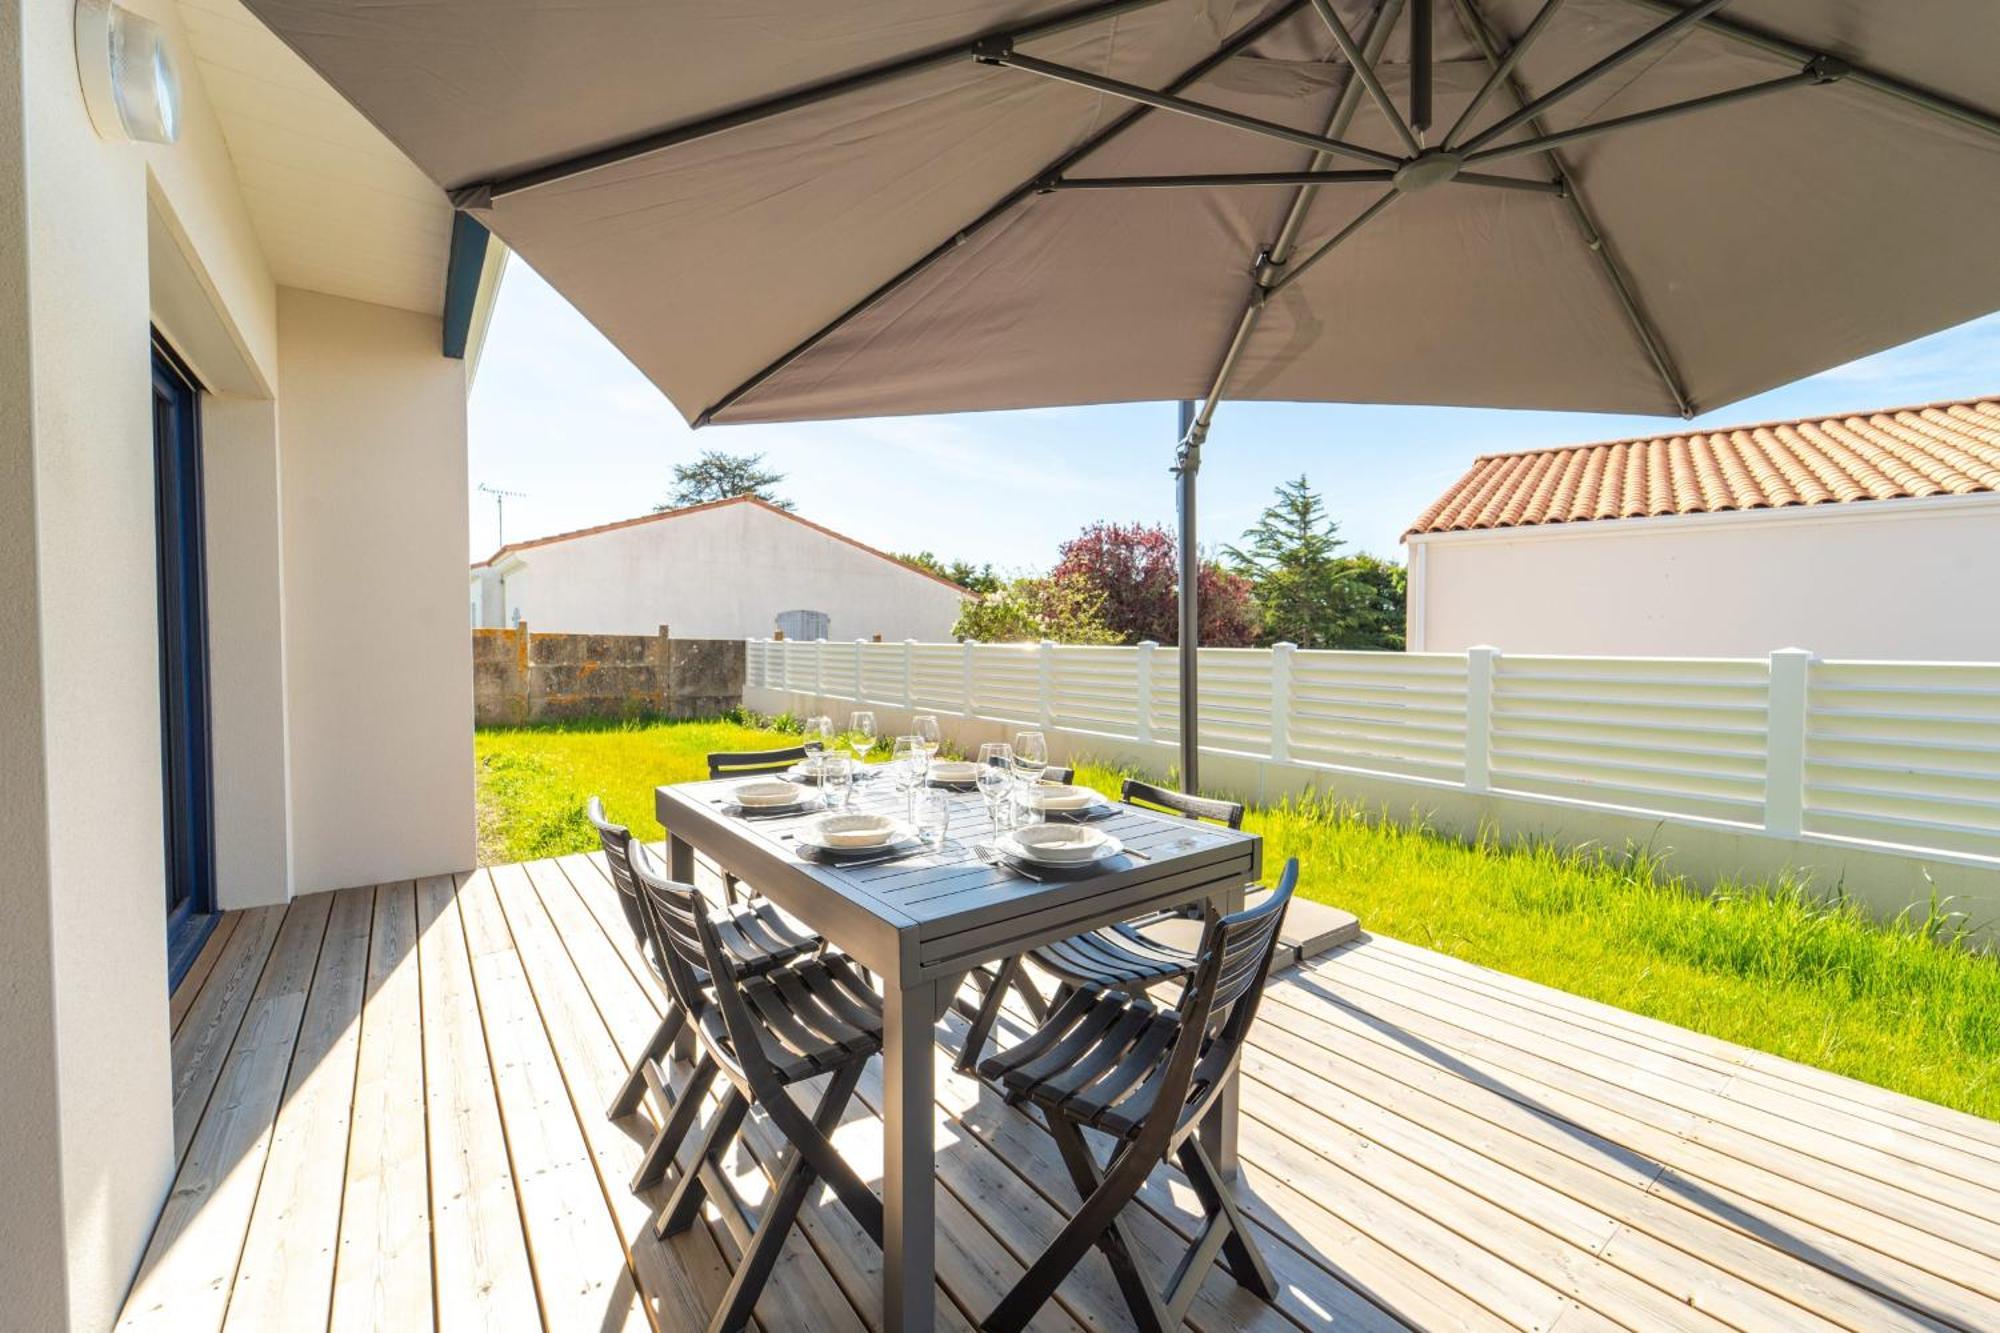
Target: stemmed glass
[1031, 757]
[819, 728]
[907, 764]
[996, 775]
[861, 735]
[926, 728]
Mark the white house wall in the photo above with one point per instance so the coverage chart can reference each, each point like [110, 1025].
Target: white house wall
[1915, 580]
[723, 573]
[379, 664]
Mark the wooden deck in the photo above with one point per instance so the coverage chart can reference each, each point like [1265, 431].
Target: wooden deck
[388, 1109]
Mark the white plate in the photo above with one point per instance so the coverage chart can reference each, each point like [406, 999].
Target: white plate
[1064, 799]
[813, 838]
[767, 794]
[958, 772]
[1109, 848]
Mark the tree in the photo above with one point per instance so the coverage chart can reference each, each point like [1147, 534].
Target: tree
[720, 476]
[1291, 561]
[1374, 595]
[1135, 568]
[971, 577]
[1029, 610]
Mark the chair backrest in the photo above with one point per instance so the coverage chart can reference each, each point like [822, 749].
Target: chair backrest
[616, 840]
[1059, 773]
[1233, 963]
[674, 914]
[1135, 792]
[750, 763]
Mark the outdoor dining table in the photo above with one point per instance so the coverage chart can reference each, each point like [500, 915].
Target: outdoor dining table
[921, 923]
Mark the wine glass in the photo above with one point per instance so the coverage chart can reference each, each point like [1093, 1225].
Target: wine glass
[1031, 755]
[996, 775]
[861, 735]
[907, 763]
[819, 728]
[926, 728]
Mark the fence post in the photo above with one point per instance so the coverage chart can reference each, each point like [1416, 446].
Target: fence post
[1048, 687]
[860, 691]
[1785, 742]
[819, 672]
[965, 674]
[1479, 673]
[784, 665]
[909, 683]
[1142, 687]
[1281, 702]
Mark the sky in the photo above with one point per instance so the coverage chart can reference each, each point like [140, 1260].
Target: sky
[559, 414]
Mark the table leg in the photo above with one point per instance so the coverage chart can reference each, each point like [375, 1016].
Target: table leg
[909, 1182]
[1218, 1132]
[680, 869]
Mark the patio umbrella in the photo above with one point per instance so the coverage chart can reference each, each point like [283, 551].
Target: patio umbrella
[793, 209]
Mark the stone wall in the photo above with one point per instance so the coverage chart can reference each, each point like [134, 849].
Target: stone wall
[521, 676]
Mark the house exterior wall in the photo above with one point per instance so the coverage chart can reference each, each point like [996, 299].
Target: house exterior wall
[723, 573]
[371, 421]
[1894, 579]
[99, 240]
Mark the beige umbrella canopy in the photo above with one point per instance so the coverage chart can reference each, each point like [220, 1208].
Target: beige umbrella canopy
[792, 209]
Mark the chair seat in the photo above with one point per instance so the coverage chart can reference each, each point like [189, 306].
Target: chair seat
[760, 937]
[815, 1016]
[1116, 957]
[1099, 1061]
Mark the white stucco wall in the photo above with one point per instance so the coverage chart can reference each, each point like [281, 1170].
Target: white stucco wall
[371, 424]
[1895, 579]
[723, 573]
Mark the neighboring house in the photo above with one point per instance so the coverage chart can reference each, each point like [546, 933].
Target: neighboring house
[1867, 535]
[231, 632]
[732, 569]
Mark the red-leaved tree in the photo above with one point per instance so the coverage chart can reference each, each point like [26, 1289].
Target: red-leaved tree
[1136, 568]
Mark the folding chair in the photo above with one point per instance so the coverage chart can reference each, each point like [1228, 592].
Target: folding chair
[1116, 956]
[1146, 1077]
[762, 1031]
[763, 937]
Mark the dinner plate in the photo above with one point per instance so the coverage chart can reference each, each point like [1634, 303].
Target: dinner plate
[1010, 848]
[953, 773]
[767, 794]
[811, 838]
[1063, 798]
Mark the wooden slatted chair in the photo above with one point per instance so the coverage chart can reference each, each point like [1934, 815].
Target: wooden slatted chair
[1116, 956]
[755, 763]
[761, 936]
[763, 1032]
[1146, 1077]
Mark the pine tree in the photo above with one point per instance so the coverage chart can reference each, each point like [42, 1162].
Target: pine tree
[720, 476]
[1291, 557]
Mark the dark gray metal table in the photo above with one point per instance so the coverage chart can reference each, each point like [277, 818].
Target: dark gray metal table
[921, 924]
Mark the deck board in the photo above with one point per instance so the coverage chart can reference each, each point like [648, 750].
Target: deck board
[389, 1114]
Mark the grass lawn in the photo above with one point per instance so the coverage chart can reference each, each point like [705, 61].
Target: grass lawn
[1777, 967]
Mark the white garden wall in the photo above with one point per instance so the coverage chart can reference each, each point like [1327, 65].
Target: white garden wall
[1880, 777]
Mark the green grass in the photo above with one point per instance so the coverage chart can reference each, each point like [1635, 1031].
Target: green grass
[1778, 967]
[533, 780]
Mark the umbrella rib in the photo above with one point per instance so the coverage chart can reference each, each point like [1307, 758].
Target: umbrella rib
[1632, 49]
[1344, 107]
[1821, 72]
[1293, 272]
[999, 54]
[1364, 69]
[1244, 36]
[1775, 44]
[657, 141]
[1525, 183]
[1593, 238]
[1223, 178]
[1503, 69]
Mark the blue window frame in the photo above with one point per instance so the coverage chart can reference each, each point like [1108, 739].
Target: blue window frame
[187, 772]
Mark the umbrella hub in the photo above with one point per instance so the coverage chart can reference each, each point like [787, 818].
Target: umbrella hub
[1433, 167]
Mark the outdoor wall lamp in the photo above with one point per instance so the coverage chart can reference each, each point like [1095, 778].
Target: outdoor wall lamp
[130, 86]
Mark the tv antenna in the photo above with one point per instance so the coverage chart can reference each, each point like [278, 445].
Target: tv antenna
[500, 499]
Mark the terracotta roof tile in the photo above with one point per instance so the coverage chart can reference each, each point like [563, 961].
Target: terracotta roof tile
[1898, 453]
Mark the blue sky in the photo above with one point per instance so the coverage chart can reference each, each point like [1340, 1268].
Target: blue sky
[560, 414]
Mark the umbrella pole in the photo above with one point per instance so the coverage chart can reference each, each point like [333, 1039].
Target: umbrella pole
[1187, 463]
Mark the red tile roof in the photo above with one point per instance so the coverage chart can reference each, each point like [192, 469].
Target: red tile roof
[686, 510]
[1899, 453]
